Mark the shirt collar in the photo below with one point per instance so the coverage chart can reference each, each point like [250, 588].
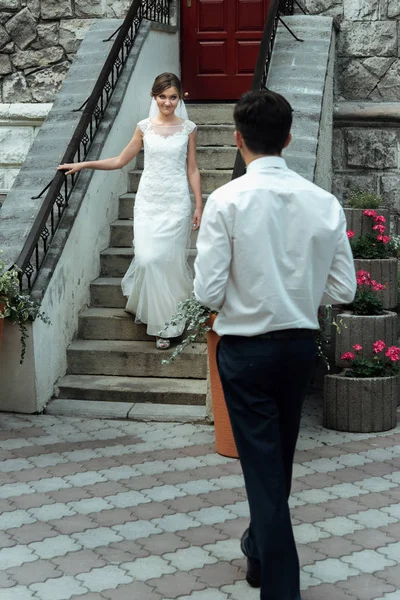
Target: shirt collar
[267, 162]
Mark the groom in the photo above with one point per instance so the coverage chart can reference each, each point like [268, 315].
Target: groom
[272, 247]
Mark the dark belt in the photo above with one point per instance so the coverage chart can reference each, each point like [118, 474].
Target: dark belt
[287, 334]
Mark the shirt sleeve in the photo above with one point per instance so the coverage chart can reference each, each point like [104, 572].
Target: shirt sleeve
[341, 285]
[213, 259]
[143, 125]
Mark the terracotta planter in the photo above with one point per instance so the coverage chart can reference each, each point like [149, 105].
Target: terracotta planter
[1, 323]
[362, 330]
[383, 270]
[225, 444]
[361, 224]
[360, 405]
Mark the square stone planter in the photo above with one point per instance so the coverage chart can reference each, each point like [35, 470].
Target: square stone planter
[360, 224]
[356, 329]
[383, 270]
[360, 405]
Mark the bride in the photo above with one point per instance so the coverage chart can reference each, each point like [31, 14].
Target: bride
[159, 276]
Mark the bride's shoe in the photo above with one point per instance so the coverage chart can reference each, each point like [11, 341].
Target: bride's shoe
[162, 343]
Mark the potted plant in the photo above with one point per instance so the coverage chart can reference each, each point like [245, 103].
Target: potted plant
[365, 319]
[363, 397]
[374, 252]
[357, 202]
[199, 321]
[18, 308]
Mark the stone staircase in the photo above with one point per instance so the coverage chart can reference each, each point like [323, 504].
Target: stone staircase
[113, 360]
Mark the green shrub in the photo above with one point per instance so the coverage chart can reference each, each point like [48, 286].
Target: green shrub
[359, 198]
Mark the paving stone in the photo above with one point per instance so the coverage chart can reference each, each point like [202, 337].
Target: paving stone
[104, 578]
[308, 555]
[32, 501]
[225, 550]
[136, 590]
[391, 575]
[90, 505]
[143, 481]
[82, 561]
[176, 584]
[331, 570]
[70, 495]
[376, 484]
[373, 518]
[73, 524]
[366, 587]
[339, 525]
[56, 546]
[176, 522]
[368, 561]
[34, 572]
[335, 546]
[218, 575]
[306, 533]
[206, 534]
[16, 518]
[91, 538]
[18, 592]
[190, 558]
[311, 514]
[117, 553]
[153, 510]
[61, 588]
[112, 517]
[35, 532]
[212, 515]
[328, 591]
[163, 543]
[138, 529]
[371, 539]
[151, 567]
[344, 507]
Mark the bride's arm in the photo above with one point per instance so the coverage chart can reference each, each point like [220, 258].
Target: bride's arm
[194, 178]
[109, 164]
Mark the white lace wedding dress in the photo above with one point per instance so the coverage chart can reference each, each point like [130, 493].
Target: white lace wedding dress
[159, 276]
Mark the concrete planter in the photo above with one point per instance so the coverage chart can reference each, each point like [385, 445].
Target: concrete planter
[360, 405]
[363, 330]
[360, 224]
[383, 270]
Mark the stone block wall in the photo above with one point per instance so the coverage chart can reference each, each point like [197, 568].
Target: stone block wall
[38, 39]
[367, 94]
[368, 56]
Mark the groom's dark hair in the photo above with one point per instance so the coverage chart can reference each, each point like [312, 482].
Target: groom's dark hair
[264, 119]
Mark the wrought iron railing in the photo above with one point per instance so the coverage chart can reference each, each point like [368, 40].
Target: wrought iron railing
[277, 9]
[59, 190]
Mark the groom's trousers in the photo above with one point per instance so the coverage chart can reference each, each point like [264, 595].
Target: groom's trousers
[265, 379]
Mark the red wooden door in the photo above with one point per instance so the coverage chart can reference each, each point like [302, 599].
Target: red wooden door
[219, 46]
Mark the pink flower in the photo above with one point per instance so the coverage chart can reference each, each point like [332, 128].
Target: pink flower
[380, 219]
[377, 286]
[348, 356]
[350, 234]
[380, 228]
[385, 239]
[363, 277]
[370, 213]
[357, 347]
[393, 353]
[379, 345]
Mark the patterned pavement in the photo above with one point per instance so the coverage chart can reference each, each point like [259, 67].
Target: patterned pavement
[116, 510]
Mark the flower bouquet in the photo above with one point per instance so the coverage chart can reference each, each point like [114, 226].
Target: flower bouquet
[384, 363]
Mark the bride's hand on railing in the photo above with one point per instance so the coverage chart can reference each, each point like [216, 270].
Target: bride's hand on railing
[71, 168]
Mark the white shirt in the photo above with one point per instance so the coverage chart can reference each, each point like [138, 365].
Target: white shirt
[272, 247]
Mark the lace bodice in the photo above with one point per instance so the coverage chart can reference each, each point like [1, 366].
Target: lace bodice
[164, 183]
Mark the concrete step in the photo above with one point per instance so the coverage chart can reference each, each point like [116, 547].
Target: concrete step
[133, 389]
[211, 114]
[114, 262]
[110, 324]
[134, 359]
[127, 202]
[215, 135]
[92, 409]
[210, 179]
[208, 157]
[105, 292]
[122, 234]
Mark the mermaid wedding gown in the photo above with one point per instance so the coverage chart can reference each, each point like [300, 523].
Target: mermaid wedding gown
[159, 276]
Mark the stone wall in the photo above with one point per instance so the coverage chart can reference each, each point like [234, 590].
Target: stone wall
[19, 124]
[38, 39]
[368, 58]
[367, 92]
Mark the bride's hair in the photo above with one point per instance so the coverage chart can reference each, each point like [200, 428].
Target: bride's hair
[165, 81]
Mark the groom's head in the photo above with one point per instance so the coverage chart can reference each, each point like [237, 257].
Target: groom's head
[263, 121]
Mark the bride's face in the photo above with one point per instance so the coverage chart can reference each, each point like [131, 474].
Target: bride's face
[168, 101]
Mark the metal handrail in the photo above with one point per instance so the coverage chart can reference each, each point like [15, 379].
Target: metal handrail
[277, 9]
[59, 190]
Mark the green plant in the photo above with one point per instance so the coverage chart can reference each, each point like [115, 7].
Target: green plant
[18, 308]
[359, 198]
[195, 315]
[369, 247]
[380, 365]
[366, 301]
